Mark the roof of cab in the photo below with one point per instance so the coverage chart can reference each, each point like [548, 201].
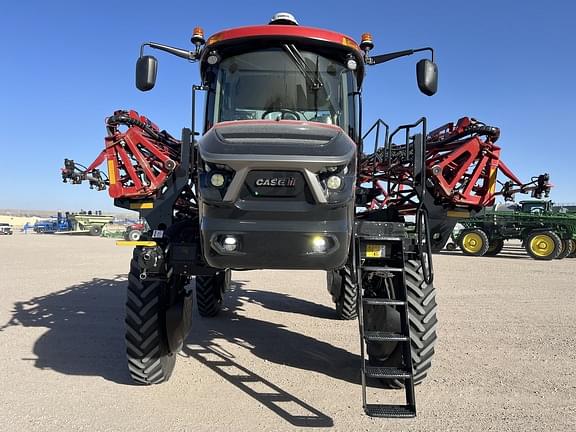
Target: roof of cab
[293, 31]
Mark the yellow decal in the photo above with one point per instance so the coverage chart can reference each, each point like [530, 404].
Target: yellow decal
[111, 172]
[458, 214]
[492, 180]
[374, 250]
[143, 205]
[136, 243]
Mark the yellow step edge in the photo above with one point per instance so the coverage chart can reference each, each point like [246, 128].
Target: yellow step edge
[147, 243]
[142, 205]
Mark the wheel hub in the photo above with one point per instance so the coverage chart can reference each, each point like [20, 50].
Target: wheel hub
[472, 242]
[542, 245]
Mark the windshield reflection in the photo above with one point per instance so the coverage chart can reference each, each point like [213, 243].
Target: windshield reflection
[286, 84]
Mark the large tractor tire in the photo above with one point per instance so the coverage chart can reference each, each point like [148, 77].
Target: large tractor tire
[573, 253]
[134, 235]
[543, 245]
[567, 249]
[95, 230]
[495, 247]
[344, 293]
[158, 313]
[473, 242]
[210, 293]
[422, 320]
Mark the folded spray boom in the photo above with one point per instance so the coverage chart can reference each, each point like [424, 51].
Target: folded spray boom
[138, 155]
[461, 159]
[462, 163]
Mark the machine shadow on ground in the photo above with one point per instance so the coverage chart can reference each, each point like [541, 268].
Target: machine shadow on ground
[85, 329]
[85, 336]
[271, 342]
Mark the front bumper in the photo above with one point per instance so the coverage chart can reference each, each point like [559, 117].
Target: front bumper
[276, 244]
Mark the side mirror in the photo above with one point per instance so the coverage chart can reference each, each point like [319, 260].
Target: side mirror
[146, 69]
[427, 76]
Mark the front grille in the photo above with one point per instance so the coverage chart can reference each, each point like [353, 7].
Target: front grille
[276, 185]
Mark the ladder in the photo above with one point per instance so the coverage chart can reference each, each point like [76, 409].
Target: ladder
[380, 249]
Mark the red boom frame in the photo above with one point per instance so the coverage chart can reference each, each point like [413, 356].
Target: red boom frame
[139, 159]
[461, 162]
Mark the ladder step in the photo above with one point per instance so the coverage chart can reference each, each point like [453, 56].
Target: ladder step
[387, 372]
[402, 411]
[379, 336]
[381, 238]
[383, 302]
[382, 269]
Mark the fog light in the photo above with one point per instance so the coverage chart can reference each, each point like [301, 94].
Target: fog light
[334, 182]
[217, 180]
[230, 244]
[319, 244]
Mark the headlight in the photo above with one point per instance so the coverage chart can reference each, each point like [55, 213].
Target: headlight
[217, 180]
[351, 64]
[213, 58]
[230, 243]
[334, 182]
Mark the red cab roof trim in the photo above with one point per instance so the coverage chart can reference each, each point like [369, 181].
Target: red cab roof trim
[284, 30]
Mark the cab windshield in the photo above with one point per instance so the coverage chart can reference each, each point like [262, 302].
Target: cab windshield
[283, 84]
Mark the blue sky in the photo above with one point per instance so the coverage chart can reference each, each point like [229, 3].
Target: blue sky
[64, 66]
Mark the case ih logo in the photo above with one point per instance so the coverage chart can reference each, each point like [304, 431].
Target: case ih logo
[276, 182]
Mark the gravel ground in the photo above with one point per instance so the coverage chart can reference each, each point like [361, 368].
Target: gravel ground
[505, 358]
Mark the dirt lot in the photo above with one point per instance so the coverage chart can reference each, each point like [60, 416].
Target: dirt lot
[505, 358]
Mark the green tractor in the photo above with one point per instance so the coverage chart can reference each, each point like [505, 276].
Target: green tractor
[545, 234]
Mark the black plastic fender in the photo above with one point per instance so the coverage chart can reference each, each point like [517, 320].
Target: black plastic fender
[179, 322]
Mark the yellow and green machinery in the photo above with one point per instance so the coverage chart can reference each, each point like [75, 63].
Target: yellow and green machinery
[545, 234]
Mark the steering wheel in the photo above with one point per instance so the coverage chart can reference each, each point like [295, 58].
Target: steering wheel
[284, 111]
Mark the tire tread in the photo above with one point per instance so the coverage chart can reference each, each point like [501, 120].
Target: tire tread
[347, 303]
[208, 296]
[149, 361]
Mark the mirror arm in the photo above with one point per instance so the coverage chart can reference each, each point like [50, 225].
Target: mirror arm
[391, 56]
[178, 52]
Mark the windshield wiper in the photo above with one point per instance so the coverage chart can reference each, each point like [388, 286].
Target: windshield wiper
[298, 59]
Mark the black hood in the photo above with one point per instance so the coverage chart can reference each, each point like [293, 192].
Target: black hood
[285, 137]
